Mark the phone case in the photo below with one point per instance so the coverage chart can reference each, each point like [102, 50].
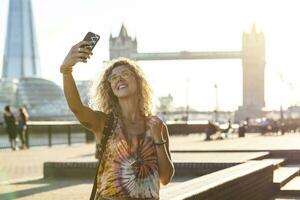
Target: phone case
[90, 36]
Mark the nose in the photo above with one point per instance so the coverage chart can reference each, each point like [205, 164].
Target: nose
[118, 80]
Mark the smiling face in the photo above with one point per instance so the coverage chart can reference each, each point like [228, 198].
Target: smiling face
[123, 82]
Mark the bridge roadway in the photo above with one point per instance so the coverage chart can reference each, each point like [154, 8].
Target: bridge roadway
[21, 171]
[187, 55]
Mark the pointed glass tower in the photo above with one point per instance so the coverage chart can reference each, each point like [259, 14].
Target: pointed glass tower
[21, 57]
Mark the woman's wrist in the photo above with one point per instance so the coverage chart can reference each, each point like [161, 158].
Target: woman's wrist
[64, 69]
[160, 142]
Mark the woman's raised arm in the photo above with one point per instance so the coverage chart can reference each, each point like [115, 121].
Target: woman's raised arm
[86, 116]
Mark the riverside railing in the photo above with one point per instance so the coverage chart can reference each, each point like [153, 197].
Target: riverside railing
[43, 133]
[49, 133]
[59, 127]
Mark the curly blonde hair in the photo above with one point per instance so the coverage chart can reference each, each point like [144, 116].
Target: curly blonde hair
[103, 98]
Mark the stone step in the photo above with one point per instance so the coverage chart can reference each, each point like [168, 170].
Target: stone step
[283, 175]
[286, 198]
[294, 165]
[277, 162]
[250, 180]
[186, 164]
[292, 188]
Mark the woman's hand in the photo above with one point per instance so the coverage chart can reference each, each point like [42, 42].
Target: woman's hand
[78, 53]
[156, 127]
[160, 136]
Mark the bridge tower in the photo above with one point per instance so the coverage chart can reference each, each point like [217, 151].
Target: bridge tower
[253, 59]
[122, 45]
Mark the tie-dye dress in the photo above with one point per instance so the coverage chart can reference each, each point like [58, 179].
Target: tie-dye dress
[123, 175]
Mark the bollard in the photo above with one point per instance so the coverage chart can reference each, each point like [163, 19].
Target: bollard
[69, 134]
[27, 137]
[89, 136]
[49, 135]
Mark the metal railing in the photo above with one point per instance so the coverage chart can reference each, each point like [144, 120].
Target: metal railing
[53, 130]
[47, 132]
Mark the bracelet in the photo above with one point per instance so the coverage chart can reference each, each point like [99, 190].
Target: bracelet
[160, 143]
[66, 70]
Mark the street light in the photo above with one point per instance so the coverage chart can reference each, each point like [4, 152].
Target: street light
[217, 103]
[187, 100]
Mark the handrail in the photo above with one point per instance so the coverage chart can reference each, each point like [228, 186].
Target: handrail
[50, 128]
[41, 123]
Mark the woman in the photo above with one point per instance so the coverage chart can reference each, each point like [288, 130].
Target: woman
[137, 157]
[22, 126]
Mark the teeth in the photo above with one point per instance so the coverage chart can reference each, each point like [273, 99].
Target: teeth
[122, 86]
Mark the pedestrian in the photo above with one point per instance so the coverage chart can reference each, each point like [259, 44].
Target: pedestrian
[228, 129]
[10, 126]
[137, 157]
[242, 128]
[22, 126]
[210, 130]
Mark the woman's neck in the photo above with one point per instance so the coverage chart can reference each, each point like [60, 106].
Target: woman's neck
[130, 109]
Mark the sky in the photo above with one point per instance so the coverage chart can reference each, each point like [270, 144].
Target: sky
[176, 25]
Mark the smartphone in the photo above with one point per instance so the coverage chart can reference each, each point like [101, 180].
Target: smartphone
[90, 36]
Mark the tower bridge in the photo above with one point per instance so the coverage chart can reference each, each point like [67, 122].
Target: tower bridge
[252, 56]
[187, 55]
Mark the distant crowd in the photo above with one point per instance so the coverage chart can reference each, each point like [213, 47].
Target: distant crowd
[264, 126]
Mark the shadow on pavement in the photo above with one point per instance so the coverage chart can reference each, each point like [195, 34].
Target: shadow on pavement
[46, 185]
[90, 155]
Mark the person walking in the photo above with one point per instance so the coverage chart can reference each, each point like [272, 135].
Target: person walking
[22, 126]
[137, 157]
[10, 126]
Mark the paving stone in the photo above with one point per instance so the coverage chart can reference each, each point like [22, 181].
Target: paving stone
[21, 171]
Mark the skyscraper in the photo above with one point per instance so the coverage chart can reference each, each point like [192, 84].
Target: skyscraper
[21, 57]
[21, 83]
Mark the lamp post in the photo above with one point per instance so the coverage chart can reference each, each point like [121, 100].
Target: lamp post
[217, 103]
[187, 100]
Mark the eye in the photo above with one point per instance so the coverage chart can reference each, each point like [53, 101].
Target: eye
[111, 78]
[114, 78]
[125, 74]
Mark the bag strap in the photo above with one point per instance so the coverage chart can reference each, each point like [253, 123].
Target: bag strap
[107, 132]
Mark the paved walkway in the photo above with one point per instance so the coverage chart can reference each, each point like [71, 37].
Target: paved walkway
[21, 171]
[250, 142]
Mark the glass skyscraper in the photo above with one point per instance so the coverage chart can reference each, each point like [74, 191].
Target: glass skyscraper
[21, 57]
[21, 83]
